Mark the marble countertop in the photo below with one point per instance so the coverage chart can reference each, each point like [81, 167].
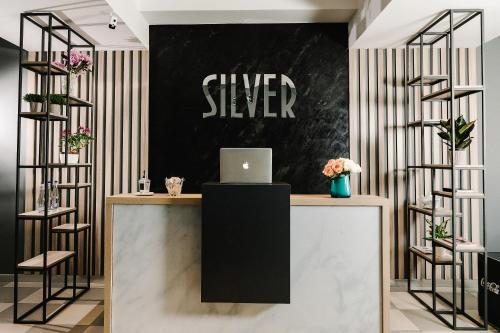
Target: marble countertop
[295, 200]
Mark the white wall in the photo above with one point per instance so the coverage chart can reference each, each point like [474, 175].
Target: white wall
[492, 79]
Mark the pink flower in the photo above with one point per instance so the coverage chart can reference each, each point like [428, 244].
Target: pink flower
[338, 166]
[328, 171]
[58, 64]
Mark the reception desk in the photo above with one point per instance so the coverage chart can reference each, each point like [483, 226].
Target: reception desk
[339, 269]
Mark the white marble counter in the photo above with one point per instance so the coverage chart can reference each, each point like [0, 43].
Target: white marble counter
[338, 256]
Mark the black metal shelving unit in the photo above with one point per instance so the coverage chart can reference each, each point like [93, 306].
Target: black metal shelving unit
[442, 87]
[73, 217]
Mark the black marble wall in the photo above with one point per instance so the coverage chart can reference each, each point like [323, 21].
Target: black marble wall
[183, 143]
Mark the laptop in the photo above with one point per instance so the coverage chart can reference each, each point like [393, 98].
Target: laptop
[246, 165]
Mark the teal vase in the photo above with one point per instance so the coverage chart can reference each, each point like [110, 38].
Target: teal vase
[340, 187]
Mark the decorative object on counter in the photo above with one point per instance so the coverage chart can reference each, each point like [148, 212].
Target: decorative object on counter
[35, 101]
[144, 185]
[54, 195]
[338, 172]
[75, 142]
[79, 63]
[440, 232]
[174, 185]
[463, 139]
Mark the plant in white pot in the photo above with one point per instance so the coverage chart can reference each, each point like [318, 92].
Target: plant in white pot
[35, 101]
[463, 130]
[56, 103]
[440, 232]
[74, 142]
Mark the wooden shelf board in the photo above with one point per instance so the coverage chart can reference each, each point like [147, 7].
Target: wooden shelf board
[42, 67]
[447, 166]
[445, 94]
[75, 101]
[428, 80]
[428, 257]
[57, 165]
[460, 195]
[70, 227]
[439, 242]
[69, 186]
[37, 215]
[427, 123]
[440, 211]
[42, 116]
[53, 258]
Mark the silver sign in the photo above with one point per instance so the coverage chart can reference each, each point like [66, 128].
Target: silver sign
[251, 95]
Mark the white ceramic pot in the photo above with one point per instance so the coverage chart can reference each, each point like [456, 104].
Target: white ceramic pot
[56, 109]
[35, 107]
[72, 158]
[460, 157]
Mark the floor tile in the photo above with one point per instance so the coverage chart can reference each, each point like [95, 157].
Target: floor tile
[37, 297]
[28, 284]
[400, 322]
[13, 328]
[7, 294]
[73, 314]
[95, 294]
[50, 329]
[94, 329]
[424, 320]
[405, 301]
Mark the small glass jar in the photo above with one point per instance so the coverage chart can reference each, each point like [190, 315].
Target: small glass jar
[144, 183]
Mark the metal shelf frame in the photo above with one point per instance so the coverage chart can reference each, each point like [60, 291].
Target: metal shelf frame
[43, 167]
[415, 85]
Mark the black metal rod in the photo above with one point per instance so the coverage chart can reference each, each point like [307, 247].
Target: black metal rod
[453, 175]
[18, 161]
[483, 157]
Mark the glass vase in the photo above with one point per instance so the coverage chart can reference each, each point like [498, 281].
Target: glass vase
[73, 81]
[340, 187]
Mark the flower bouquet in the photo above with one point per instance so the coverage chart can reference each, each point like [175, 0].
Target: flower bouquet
[338, 172]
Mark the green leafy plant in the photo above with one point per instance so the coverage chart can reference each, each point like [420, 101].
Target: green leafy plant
[463, 130]
[76, 141]
[440, 231]
[57, 99]
[34, 98]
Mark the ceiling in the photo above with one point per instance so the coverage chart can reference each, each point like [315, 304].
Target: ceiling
[372, 23]
[88, 17]
[401, 19]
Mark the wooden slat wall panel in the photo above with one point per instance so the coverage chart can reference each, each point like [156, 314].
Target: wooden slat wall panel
[121, 107]
[377, 141]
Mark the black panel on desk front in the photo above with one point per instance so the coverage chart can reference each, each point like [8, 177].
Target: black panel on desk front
[245, 243]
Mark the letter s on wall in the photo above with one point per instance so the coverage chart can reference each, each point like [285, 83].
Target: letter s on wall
[209, 98]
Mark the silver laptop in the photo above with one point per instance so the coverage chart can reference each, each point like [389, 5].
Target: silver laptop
[246, 165]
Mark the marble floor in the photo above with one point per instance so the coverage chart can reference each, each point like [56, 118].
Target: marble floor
[86, 314]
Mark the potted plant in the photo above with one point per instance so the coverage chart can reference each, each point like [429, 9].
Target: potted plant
[79, 63]
[56, 103]
[75, 142]
[440, 232]
[463, 139]
[35, 101]
[338, 172]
